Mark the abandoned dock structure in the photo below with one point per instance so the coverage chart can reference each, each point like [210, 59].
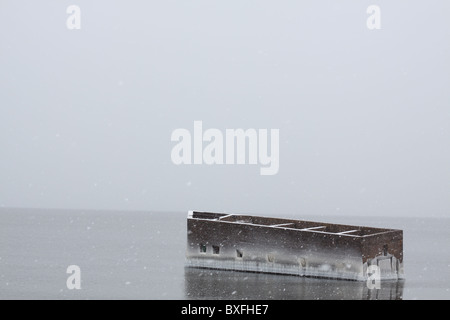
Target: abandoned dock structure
[296, 247]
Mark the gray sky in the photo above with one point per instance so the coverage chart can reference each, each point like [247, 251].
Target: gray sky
[86, 115]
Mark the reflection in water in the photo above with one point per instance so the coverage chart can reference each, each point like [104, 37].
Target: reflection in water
[219, 284]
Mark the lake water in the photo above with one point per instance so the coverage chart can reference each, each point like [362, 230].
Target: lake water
[141, 255]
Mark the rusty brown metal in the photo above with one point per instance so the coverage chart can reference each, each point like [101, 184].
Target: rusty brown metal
[287, 246]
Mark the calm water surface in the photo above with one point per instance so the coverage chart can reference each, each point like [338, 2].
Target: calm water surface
[140, 255]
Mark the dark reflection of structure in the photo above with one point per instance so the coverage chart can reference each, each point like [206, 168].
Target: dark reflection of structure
[218, 284]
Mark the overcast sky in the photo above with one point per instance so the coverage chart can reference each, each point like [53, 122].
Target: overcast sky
[86, 115]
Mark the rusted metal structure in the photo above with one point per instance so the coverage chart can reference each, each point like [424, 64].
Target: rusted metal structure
[297, 247]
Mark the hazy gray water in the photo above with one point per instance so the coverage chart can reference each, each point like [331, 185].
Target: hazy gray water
[140, 255]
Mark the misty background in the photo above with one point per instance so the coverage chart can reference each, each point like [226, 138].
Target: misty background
[86, 115]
